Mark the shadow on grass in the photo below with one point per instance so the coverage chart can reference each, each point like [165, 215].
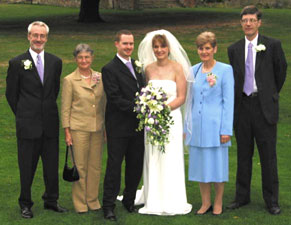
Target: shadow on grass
[142, 20]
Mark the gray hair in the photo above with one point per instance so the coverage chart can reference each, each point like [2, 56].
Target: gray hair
[38, 23]
[82, 48]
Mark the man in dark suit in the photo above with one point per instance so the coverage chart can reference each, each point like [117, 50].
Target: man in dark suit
[122, 79]
[259, 70]
[33, 82]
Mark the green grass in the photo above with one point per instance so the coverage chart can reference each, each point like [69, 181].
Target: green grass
[185, 24]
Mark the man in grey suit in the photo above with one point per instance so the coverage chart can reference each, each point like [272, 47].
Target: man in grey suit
[259, 68]
[33, 83]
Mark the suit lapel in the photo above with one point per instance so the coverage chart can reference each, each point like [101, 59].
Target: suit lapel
[77, 77]
[123, 68]
[47, 62]
[241, 56]
[260, 55]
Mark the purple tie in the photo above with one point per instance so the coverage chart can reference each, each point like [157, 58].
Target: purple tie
[129, 65]
[249, 74]
[39, 67]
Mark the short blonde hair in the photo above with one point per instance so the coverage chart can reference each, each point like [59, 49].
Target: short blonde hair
[38, 23]
[206, 37]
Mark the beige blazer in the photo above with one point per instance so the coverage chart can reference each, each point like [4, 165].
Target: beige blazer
[83, 105]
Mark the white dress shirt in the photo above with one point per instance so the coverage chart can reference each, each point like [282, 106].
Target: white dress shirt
[125, 61]
[34, 56]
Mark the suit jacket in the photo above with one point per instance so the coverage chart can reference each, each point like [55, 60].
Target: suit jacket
[120, 87]
[212, 112]
[33, 103]
[270, 74]
[83, 106]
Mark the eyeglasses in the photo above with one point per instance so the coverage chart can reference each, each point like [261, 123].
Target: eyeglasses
[79, 57]
[41, 36]
[244, 21]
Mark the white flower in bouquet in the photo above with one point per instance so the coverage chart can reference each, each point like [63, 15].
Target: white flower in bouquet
[151, 121]
[160, 107]
[159, 96]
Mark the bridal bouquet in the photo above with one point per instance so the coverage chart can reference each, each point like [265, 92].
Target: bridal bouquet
[154, 115]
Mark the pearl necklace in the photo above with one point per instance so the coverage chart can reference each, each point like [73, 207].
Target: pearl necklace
[86, 77]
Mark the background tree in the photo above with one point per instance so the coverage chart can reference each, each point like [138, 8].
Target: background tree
[89, 11]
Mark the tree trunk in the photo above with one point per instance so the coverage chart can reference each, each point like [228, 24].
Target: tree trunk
[89, 11]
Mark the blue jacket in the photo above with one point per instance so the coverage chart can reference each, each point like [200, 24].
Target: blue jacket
[212, 107]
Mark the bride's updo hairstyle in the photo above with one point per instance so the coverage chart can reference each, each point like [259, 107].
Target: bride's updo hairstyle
[161, 38]
[204, 38]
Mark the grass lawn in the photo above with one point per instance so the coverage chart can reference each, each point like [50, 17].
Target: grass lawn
[185, 24]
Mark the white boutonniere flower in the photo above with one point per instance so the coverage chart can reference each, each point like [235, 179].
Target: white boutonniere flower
[260, 47]
[138, 66]
[27, 64]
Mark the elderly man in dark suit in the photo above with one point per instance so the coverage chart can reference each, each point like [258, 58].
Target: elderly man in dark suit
[33, 82]
[259, 70]
[121, 80]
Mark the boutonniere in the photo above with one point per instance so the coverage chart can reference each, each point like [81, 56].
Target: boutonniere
[260, 47]
[96, 77]
[138, 66]
[27, 64]
[211, 79]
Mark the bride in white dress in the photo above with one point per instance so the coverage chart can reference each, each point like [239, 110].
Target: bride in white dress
[166, 65]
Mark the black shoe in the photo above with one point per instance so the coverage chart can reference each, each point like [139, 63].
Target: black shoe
[130, 208]
[207, 211]
[109, 215]
[275, 210]
[236, 205]
[26, 213]
[55, 207]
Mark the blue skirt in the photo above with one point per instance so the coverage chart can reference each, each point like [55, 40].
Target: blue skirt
[208, 164]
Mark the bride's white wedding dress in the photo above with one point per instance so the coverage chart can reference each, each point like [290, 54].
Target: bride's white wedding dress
[164, 191]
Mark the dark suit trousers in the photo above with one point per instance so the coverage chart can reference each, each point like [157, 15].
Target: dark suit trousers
[251, 127]
[29, 151]
[132, 148]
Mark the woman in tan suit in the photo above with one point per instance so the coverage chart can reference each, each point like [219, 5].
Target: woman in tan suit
[83, 105]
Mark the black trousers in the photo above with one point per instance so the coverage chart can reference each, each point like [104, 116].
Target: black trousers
[29, 152]
[252, 127]
[132, 149]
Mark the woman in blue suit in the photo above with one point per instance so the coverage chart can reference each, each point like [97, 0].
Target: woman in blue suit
[209, 119]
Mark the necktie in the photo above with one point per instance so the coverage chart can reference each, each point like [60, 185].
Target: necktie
[129, 65]
[249, 72]
[39, 67]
